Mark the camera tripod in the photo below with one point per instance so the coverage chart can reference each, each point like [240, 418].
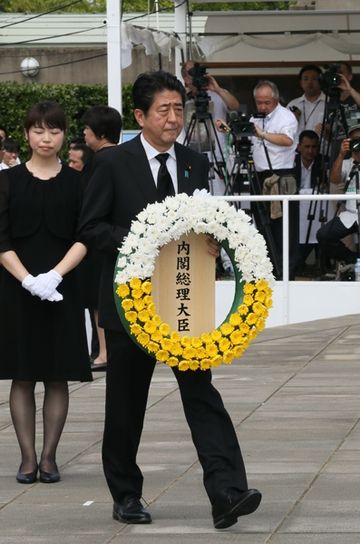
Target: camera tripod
[244, 179]
[201, 123]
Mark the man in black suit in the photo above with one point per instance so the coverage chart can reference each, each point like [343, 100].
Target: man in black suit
[126, 179]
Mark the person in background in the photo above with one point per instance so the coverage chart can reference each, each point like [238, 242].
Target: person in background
[10, 153]
[43, 337]
[102, 129]
[310, 107]
[79, 155]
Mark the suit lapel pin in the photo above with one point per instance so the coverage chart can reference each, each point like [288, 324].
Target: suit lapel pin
[187, 171]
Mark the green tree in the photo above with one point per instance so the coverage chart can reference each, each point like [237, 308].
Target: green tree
[39, 6]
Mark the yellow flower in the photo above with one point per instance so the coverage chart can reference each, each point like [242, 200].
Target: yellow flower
[206, 338]
[260, 296]
[146, 287]
[205, 364]
[244, 328]
[175, 336]
[211, 350]
[157, 320]
[127, 304]
[135, 283]
[248, 300]
[143, 338]
[185, 341]
[248, 288]
[252, 333]
[144, 316]
[148, 300]
[189, 352]
[162, 355]
[176, 349]
[136, 293]
[151, 308]
[152, 346]
[194, 365]
[166, 344]
[236, 338]
[260, 324]
[164, 328]
[224, 344]
[131, 316]
[183, 365]
[123, 290]
[172, 361]
[235, 320]
[150, 327]
[216, 361]
[258, 308]
[216, 335]
[251, 319]
[238, 351]
[268, 302]
[196, 342]
[139, 304]
[135, 329]
[201, 353]
[226, 329]
[228, 356]
[243, 309]
[156, 336]
[261, 285]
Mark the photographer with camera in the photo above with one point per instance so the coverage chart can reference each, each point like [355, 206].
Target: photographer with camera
[274, 146]
[309, 108]
[344, 170]
[207, 101]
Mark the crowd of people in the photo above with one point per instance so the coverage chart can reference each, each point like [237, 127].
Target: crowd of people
[60, 229]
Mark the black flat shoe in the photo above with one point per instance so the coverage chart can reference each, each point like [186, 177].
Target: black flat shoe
[98, 367]
[227, 510]
[49, 477]
[28, 478]
[130, 510]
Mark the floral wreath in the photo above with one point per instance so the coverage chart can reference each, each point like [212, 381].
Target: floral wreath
[157, 225]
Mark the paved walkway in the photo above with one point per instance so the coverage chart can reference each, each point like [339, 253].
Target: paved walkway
[294, 399]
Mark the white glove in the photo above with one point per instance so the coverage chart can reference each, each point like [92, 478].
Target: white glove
[45, 284]
[28, 283]
[55, 297]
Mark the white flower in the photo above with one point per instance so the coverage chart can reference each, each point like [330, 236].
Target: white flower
[161, 222]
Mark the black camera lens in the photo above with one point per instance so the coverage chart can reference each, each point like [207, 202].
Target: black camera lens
[355, 145]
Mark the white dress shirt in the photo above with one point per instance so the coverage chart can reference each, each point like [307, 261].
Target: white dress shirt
[279, 121]
[312, 113]
[349, 216]
[151, 153]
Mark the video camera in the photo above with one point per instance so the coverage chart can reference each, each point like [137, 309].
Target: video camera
[330, 80]
[242, 130]
[199, 76]
[355, 145]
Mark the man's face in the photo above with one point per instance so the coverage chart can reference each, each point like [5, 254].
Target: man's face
[343, 69]
[308, 149]
[310, 84]
[264, 100]
[10, 157]
[75, 161]
[163, 122]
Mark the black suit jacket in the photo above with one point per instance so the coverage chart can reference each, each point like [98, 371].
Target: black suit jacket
[316, 172]
[120, 187]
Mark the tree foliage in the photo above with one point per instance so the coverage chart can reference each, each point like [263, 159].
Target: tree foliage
[16, 99]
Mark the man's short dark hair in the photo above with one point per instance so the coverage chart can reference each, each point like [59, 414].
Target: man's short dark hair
[308, 68]
[310, 134]
[148, 84]
[87, 153]
[104, 121]
[10, 145]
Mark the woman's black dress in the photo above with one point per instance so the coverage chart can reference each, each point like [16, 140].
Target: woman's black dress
[40, 340]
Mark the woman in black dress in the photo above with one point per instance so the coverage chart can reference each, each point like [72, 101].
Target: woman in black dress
[42, 326]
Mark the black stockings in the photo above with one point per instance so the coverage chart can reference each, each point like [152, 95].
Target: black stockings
[23, 408]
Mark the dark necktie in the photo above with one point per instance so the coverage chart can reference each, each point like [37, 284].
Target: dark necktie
[165, 185]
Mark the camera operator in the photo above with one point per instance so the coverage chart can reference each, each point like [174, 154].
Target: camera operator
[274, 149]
[344, 170]
[216, 100]
[309, 108]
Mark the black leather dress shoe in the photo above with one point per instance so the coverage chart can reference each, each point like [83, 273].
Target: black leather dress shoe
[229, 507]
[28, 478]
[98, 367]
[130, 510]
[49, 477]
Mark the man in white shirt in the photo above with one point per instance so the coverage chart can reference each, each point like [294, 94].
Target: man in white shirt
[274, 146]
[10, 153]
[344, 170]
[310, 107]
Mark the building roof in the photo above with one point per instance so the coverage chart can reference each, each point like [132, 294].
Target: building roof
[72, 28]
